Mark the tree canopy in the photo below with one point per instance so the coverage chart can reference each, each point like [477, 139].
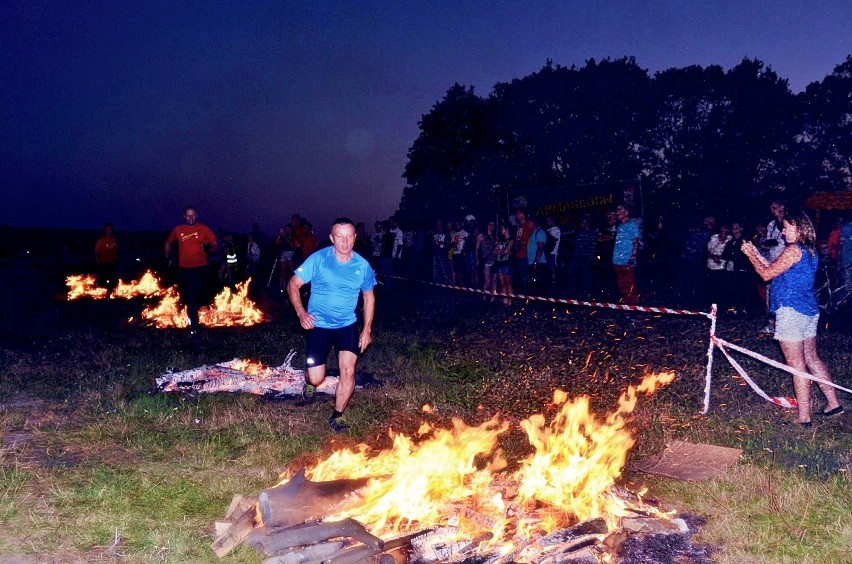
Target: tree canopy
[700, 139]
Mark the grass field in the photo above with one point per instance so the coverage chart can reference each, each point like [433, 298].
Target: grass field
[94, 468]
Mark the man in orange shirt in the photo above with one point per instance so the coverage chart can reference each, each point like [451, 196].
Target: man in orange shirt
[106, 257]
[194, 241]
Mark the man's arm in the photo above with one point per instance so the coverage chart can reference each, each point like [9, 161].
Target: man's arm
[306, 320]
[212, 245]
[369, 311]
[539, 249]
[632, 260]
[539, 244]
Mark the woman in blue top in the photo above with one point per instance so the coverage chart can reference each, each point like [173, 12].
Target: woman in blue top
[795, 307]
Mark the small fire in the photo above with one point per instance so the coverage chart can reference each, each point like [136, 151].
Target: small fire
[458, 474]
[147, 286]
[86, 285]
[228, 309]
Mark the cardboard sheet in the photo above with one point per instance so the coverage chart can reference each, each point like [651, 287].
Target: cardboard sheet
[690, 462]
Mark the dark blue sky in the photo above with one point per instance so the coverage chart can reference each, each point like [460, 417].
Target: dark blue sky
[127, 111]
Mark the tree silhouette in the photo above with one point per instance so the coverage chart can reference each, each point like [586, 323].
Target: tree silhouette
[704, 140]
[824, 158]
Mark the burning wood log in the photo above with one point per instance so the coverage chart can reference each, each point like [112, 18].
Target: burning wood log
[243, 376]
[584, 555]
[301, 500]
[470, 548]
[596, 528]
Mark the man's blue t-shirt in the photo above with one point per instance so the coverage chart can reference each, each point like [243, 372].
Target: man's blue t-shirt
[335, 286]
[846, 244]
[538, 236]
[624, 237]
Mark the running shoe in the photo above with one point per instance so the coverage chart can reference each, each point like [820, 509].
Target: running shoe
[338, 425]
[309, 393]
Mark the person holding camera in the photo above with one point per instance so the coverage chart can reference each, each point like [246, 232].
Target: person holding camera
[194, 240]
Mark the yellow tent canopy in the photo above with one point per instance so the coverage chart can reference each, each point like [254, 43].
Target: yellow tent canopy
[832, 201]
[829, 201]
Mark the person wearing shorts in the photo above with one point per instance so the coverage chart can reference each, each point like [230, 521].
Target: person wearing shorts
[794, 304]
[338, 275]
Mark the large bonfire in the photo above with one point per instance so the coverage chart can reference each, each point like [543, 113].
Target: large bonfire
[457, 480]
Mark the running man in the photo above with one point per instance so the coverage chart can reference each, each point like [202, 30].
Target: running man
[337, 275]
[194, 241]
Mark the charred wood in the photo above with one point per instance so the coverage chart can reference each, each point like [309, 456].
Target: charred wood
[279, 539]
[352, 555]
[593, 527]
[395, 556]
[583, 555]
[470, 548]
[315, 553]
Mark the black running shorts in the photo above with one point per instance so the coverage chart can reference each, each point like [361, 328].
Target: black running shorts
[320, 341]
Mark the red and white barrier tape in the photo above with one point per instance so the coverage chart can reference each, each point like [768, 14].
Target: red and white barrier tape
[568, 301]
[789, 403]
[785, 402]
[780, 365]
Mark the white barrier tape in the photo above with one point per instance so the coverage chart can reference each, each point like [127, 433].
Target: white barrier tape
[788, 403]
[779, 365]
[622, 307]
[708, 376]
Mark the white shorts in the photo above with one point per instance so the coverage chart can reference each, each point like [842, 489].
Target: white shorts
[790, 325]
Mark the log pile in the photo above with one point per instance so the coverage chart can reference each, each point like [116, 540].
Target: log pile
[286, 523]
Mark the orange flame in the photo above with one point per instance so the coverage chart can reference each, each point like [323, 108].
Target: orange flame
[228, 309]
[457, 473]
[84, 285]
[147, 286]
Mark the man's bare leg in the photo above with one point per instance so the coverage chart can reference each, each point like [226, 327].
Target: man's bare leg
[346, 385]
[316, 375]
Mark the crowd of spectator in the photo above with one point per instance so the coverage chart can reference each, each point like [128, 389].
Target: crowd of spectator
[613, 256]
